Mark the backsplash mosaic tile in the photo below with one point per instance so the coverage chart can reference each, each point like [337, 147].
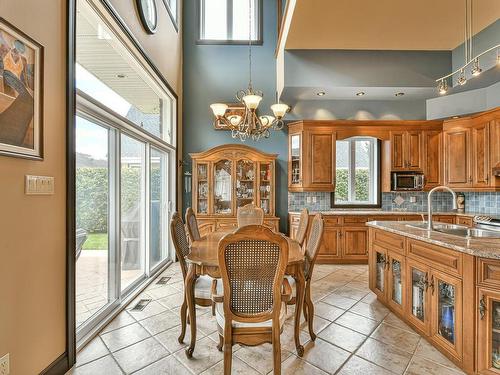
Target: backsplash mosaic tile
[488, 203]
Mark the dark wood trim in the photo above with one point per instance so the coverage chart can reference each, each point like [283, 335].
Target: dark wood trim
[260, 35]
[70, 186]
[59, 366]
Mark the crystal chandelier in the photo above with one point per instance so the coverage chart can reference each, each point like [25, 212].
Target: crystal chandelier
[249, 125]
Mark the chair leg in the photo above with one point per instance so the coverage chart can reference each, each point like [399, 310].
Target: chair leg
[228, 355]
[310, 310]
[304, 309]
[220, 345]
[276, 350]
[213, 308]
[184, 318]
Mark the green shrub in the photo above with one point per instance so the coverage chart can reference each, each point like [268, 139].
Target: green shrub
[361, 188]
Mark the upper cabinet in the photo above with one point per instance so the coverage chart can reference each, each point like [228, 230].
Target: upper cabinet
[311, 158]
[432, 161]
[407, 150]
[470, 152]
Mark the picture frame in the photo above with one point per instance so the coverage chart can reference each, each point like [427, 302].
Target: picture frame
[232, 110]
[148, 13]
[21, 93]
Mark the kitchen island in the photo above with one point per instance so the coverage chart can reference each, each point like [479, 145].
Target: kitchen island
[445, 287]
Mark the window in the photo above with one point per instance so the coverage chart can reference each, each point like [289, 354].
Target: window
[357, 172]
[227, 21]
[172, 10]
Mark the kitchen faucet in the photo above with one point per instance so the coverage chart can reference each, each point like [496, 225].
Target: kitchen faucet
[429, 203]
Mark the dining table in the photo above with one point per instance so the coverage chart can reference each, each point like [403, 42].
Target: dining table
[203, 260]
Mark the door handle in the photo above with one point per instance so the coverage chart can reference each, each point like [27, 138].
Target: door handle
[482, 307]
[432, 284]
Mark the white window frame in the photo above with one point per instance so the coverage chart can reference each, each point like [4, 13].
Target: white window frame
[373, 194]
[173, 13]
[229, 19]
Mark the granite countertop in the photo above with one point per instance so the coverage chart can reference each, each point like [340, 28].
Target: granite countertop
[354, 211]
[485, 248]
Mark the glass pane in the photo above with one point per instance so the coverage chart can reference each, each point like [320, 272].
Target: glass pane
[380, 266]
[202, 171]
[265, 187]
[241, 19]
[245, 180]
[362, 183]
[172, 4]
[159, 200]
[92, 219]
[132, 210]
[342, 175]
[117, 79]
[446, 311]
[397, 288]
[495, 337]
[417, 295]
[214, 20]
[295, 154]
[222, 187]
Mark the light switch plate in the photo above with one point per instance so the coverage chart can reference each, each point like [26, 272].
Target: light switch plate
[5, 365]
[39, 185]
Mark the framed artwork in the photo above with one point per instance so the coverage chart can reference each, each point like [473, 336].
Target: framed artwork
[148, 14]
[233, 109]
[21, 92]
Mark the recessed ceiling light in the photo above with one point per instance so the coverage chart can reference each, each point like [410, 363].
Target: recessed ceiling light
[361, 93]
[321, 93]
[456, 117]
[399, 94]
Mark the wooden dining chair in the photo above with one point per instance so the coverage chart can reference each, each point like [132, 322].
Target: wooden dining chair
[249, 215]
[205, 286]
[310, 255]
[192, 225]
[300, 236]
[252, 311]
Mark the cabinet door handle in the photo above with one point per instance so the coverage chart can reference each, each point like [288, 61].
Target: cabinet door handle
[426, 281]
[432, 284]
[470, 178]
[482, 307]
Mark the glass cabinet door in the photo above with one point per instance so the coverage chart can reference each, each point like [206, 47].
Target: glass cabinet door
[295, 159]
[245, 182]
[417, 293]
[202, 188]
[378, 265]
[488, 344]
[396, 281]
[223, 187]
[265, 187]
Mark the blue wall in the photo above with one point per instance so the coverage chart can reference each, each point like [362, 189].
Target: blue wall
[213, 73]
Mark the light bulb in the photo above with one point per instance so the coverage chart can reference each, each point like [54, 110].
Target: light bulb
[462, 80]
[476, 70]
[266, 120]
[252, 101]
[218, 109]
[234, 119]
[279, 110]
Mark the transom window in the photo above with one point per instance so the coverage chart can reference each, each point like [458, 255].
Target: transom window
[227, 21]
[357, 172]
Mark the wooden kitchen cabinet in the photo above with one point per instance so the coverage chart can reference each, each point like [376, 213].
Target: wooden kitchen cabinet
[330, 245]
[418, 308]
[457, 148]
[407, 150]
[354, 242]
[396, 278]
[432, 161]
[378, 264]
[488, 331]
[311, 159]
[480, 155]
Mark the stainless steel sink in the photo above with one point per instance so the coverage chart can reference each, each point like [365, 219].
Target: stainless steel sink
[458, 230]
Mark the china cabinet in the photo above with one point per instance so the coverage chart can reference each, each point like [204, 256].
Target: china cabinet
[231, 176]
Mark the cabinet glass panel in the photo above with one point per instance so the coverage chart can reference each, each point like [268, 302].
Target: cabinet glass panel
[397, 288]
[265, 189]
[222, 187]
[446, 311]
[417, 294]
[202, 178]
[495, 335]
[245, 179]
[295, 156]
[380, 266]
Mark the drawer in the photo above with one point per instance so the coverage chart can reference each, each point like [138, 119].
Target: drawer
[227, 224]
[449, 219]
[488, 272]
[332, 220]
[384, 218]
[465, 220]
[410, 218]
[440, 257]
[389, 241]
[271, 224]
[355, 219]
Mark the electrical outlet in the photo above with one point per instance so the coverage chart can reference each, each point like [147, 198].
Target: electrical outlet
[5, 365]
[308, 199]
[314, 199]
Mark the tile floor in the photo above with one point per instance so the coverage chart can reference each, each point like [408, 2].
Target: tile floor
[356, 335]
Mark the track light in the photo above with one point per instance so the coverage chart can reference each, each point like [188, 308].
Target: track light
[476, 70]
[462, 80]
[442, 87]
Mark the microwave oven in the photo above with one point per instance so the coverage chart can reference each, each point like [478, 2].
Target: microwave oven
[407, 181]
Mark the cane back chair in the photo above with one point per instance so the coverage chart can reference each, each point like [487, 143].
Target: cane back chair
[250, 215]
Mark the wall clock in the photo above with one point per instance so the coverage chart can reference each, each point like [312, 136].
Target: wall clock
[148, 14]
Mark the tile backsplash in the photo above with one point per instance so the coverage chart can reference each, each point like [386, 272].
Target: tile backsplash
[488, 203]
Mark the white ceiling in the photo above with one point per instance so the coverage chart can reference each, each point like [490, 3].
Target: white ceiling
[385, 24]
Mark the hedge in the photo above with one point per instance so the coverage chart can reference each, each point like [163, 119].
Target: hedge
[361, 188]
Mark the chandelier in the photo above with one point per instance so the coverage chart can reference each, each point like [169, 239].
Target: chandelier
[249, 124]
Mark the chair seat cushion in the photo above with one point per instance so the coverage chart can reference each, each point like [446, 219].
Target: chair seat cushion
[203, 287]
[219, 314]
